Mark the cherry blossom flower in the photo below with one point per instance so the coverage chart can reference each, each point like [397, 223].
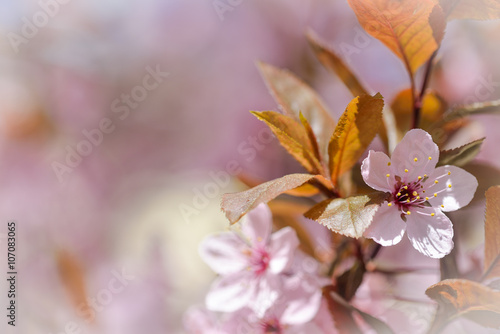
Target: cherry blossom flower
[419, 193]
[250, 265]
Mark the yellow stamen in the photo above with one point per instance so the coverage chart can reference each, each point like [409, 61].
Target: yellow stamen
[415, 159]
[388, 164]
[433, 214]
[388, 175]
[449, 173]
[435, 195]
[415, 193]
[430, 158]
[389, 204]
[419, 178]
[405, 187]
[425, 175]
[398, 194]
[408, 200]
[442, 205]
[408, 212]
[406, 171]
[418, 197]
[449, 186]
[436, 182]
[426, 198]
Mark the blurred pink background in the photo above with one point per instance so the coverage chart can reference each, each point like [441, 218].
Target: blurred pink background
[121, 209]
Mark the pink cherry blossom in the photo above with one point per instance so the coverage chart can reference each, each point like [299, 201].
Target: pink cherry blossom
[250, 264]
[419, 193]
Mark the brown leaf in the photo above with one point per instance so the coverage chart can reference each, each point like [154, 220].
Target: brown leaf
[492, 234]
[348, 216]
[460, 156]
[294, 96]
[460, 297]
[349, 282]
[293, 137]
[236, 205]
[412, 29]
[471, 9]
[354, 132]
[342, 313]
[334, 63]
[478, 108]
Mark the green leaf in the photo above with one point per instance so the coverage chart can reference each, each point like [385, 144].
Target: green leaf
[355, 130]
[348, 216]
[294, 138]
[460, 156]
[492, 234]
[295, 96]
[236, 205]
[460, 297]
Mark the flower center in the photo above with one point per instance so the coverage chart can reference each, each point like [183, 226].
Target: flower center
[271, 325]
[259, 260]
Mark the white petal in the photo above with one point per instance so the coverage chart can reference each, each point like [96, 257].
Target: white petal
[413, 153]
[281, 249]
[375, 169]
[231, 293]
[463, 186]
[223, 252]
[303, 299]
[387, 227]
[431, 236]
[258, 224]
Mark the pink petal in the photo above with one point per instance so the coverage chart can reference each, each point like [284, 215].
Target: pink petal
[268, 289]
[303, 299]
[258, 224]
[387, 227]
[231, 293]
[223, 252]
[463, 186]
[413, 153]
[281, 249]
[198, 319]
[375, 169]
[431, 236]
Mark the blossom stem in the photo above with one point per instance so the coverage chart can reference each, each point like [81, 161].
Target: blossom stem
[417, 99]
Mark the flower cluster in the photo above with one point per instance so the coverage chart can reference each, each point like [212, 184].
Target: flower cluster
[261, 287]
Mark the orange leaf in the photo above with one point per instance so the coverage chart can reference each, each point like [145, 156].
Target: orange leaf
[294, 96]
[333, 63]
[466, 298]
[433, 108]
[236, 205]
[471, 9]
[354, 132]
[293, 137]
[72, 277]
[492, 234]
[412, 29]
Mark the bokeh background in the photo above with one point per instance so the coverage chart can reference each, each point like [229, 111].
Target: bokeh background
[145, 194]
